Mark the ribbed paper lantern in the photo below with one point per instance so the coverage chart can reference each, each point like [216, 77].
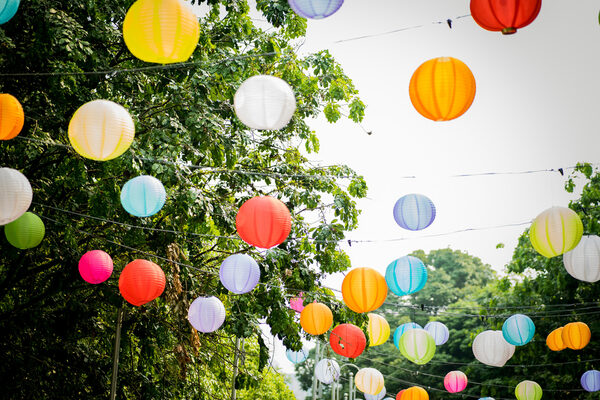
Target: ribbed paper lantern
[327, 370]
[455, 381]
[555, 231]
[583, 262]
[206, 314]
[364, 290]
[11, 113]
[263, 222]
[518, 329]
[438, 331]
[377, 396]
[315, 9]
[415, 393]
[505, 16]
[403, 328]
[347, 340]
[161, 31]
[141, 281]
[378, 329]
[490, 348]
[264, 102]
[95, 266]
[528, 390]
[297, 303]
[316, 318]
[406, 275]
[554, 340]
[143, 196]
[400, 393]
[414, 212]
[15, 195]
[8, 9]
[590, 380]
[369, 381]
[576, 335]
[239, 273]
[26, 232]
[101, 130]
[417, 346]
[296, 357]
[442, 89]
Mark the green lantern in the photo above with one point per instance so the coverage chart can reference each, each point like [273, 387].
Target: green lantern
[528, 390]
[417, 345]
[25, 232]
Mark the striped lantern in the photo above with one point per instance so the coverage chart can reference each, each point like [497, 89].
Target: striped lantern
[455, 381]
[263, 221]
[528, 390]
[347, 340]
[95, 266]
[143, 196]
[406, 275]
[239, 273]
[206, 314]
[364, 290]
[377, 396]
[8, 9]
[417, 345]
[378, 329]
[554, 340]
[438, 331]
[583, 262]
[315, 9]
[327, 371]
[316, 318]
[414, 212]
[15, 195]
[490, 348]
[12, 117]
[414, 393]
[403, 328]
[369, 381]
[26, 232]
[296, 357]
[590, 380]
[576, 335]
[555, 231]
[518, 329]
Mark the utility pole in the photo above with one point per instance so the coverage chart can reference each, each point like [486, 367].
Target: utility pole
[115, 371]
[317, 357]
[235, 367]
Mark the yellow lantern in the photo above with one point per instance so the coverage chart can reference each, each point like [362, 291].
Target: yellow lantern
[576, 335]
[161, 31]
[555, 231]
[369, 381]
[379, 330]
[316, 318]
[101, 130]
[364, 290]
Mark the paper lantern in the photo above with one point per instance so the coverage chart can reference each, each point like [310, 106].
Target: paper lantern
[490, 348]
[378, 329]
[442, 89]
[296, 357]
[455, 381]
[95, 266]
[26, 232]
[11, 112]
[347, 340]
[161, 31]
[206, 314]
[378, 396]
[576, 335]
[486, 398]
[101, 130]
[315, 9]
[438, 331]
[263, 222]
[414, 212]
[554, 340]
[415, 393]
[327, 370]
[141, 281]
[369, 381]
[364, 290]
[264, 102]
[316, 318]
[583, 262]
[406, 275]
[15, 195]
[8, 10]
[528, 390]
[590, 380]
[143, 196]
[417, 345]
[403, 328]
[239, 273]
[505, 16]
[518, 329]
[297, 303]
[400, 393]
[555, 231]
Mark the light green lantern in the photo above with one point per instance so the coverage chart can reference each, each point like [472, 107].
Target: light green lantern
[417, 345]
[25, 232]
[555, 231]
[528, 390]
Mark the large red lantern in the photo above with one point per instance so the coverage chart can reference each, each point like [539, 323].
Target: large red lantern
[141, 281]
[263, 222]
[347, 340]
[505, 16]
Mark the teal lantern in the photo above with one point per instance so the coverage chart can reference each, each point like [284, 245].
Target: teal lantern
[406, 275]
[8, 9]
[403, 328]
[143, 196]
[518, 329]
[25, 232]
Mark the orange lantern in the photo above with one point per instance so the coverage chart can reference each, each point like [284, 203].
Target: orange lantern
[316, 318]
[576, 335]
[141, 281]
[348, 340]
[263, 222]
[554, 340]
[11, 116]
[415, 393]
[505, 16]
[442, 89]
[399, 395]
[364, 290]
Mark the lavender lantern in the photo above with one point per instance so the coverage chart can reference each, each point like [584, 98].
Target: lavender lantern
[315, 9]
[206, 314]
[239, 273]
[590, 380]
[439, 332]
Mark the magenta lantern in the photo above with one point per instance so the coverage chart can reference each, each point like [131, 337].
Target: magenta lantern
[455, 381]
[297, 303]
[95, 266]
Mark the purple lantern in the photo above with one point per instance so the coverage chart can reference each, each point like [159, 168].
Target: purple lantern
[239, 273]
[414, 212]
[590, 380]
[439, 332]
[206, 314]
[315, 9]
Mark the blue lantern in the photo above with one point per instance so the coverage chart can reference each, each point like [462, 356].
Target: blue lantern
[406, 275]
[414, 212]
[590, 380]
[518, 329]
[403, 328]
[143, 196]
[438, 331]
[239, 273]
[296, 357]
[315, 9]
[8, 9]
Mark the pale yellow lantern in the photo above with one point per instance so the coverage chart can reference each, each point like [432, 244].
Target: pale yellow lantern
[379, 330]
[369, 381]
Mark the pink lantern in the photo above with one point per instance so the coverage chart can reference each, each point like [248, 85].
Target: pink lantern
[296, 303]
[455, 381]
[95, 266]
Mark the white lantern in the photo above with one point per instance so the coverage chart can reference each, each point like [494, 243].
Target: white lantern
[490, 348]
[377, 396]
[264, 102]
[15, 195]
[327, 370]
[583, 262]
[369, 381]
[439, 332]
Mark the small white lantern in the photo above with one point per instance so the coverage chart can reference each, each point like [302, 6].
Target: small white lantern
[15, 195]
[490, 348]
[369, 381]
[327, 370]
[583, 262]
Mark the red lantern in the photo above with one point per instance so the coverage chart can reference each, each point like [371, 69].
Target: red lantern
[347, 340]
[141, 281]
[505, 15]
[263, 222]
